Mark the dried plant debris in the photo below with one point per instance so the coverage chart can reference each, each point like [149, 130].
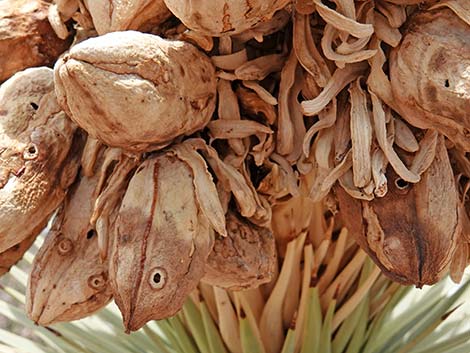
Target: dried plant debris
[39, 154]
[227, 138]
[430, 74]
[245, 259]
[26, 37]
[68, 280]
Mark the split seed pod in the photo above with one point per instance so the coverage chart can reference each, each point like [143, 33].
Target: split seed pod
[412, 232]
[430, 76]
[68, 281]
[114, 15]
[39, 154]
[162, 238]
[217, 18]
[245, 259]
[136, 91]
[10, 257]
[26, 37]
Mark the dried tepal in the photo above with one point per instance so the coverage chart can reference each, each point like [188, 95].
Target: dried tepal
[261, 145]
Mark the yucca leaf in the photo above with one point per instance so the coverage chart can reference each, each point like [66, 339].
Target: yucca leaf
[213, 337]
[359, 335]
[326, 330]
[289, 343]
[195, 325]
[313, 323]
[249, 340]
[186, 342]
[18, 341]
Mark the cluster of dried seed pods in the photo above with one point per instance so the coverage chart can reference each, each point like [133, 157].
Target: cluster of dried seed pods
[186, 141]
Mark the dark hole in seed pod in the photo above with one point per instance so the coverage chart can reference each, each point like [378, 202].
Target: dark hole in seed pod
[447, 83]
[90, 234]
[401, 184]
[34, 105]
[32, 150]
[157, 278]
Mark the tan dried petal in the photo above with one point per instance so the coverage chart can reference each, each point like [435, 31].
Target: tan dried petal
[253, 104]
[26, 37]
[245, 259]
[430, 74]
[217, 18]
[161, 244]
[136, 91]
[68, 281]
[412, 232]
[39, 154]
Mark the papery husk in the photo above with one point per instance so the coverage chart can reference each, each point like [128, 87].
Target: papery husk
[417, 248]
[27, 39]
[39, 154]
[94, 82]
[162, 242]
[219, 18]
[429, 74]
[245, 259]
[68, 280]
[11, 256]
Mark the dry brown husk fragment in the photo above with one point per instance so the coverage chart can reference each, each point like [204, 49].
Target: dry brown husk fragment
[11, 256]
[134, 90]
[429, 74]
[163, 236]
[26, 37]
[39, 154]
[245, 259]
[68, 280]
[411, 233]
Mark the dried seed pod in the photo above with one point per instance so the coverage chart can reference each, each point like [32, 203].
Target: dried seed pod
[26, 37]
[68, 281]
[11, 256]
[217, 18]
[162, 240]
[430, 76]
[114, 15]
[410, 233]
[39, 154]
[136, 91]
[245, 259]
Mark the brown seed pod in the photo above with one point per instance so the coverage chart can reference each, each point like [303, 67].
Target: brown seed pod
[26, 37]
[244, 259]
[136, 91]
[10, 257]
[162, 239]
[412, 232]
[112, 16]
[68, 281]
[430, 75]
[217, 18]
[39, 154]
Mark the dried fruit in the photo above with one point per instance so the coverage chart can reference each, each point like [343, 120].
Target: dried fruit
[412, 232]
[39, 154]
[244, 259]
[136, 91]
[26, 37]
[430, 74]
[218, 18]
[162, 237]
[114, 15]
[11, 256]
[68, 281]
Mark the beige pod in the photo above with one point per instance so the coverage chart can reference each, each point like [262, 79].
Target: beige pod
[162, 239]
[68, 280]
[244, 259]
[430, 74]
[217, 18]
[39, 154]
[116, 15]
[136, 91]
